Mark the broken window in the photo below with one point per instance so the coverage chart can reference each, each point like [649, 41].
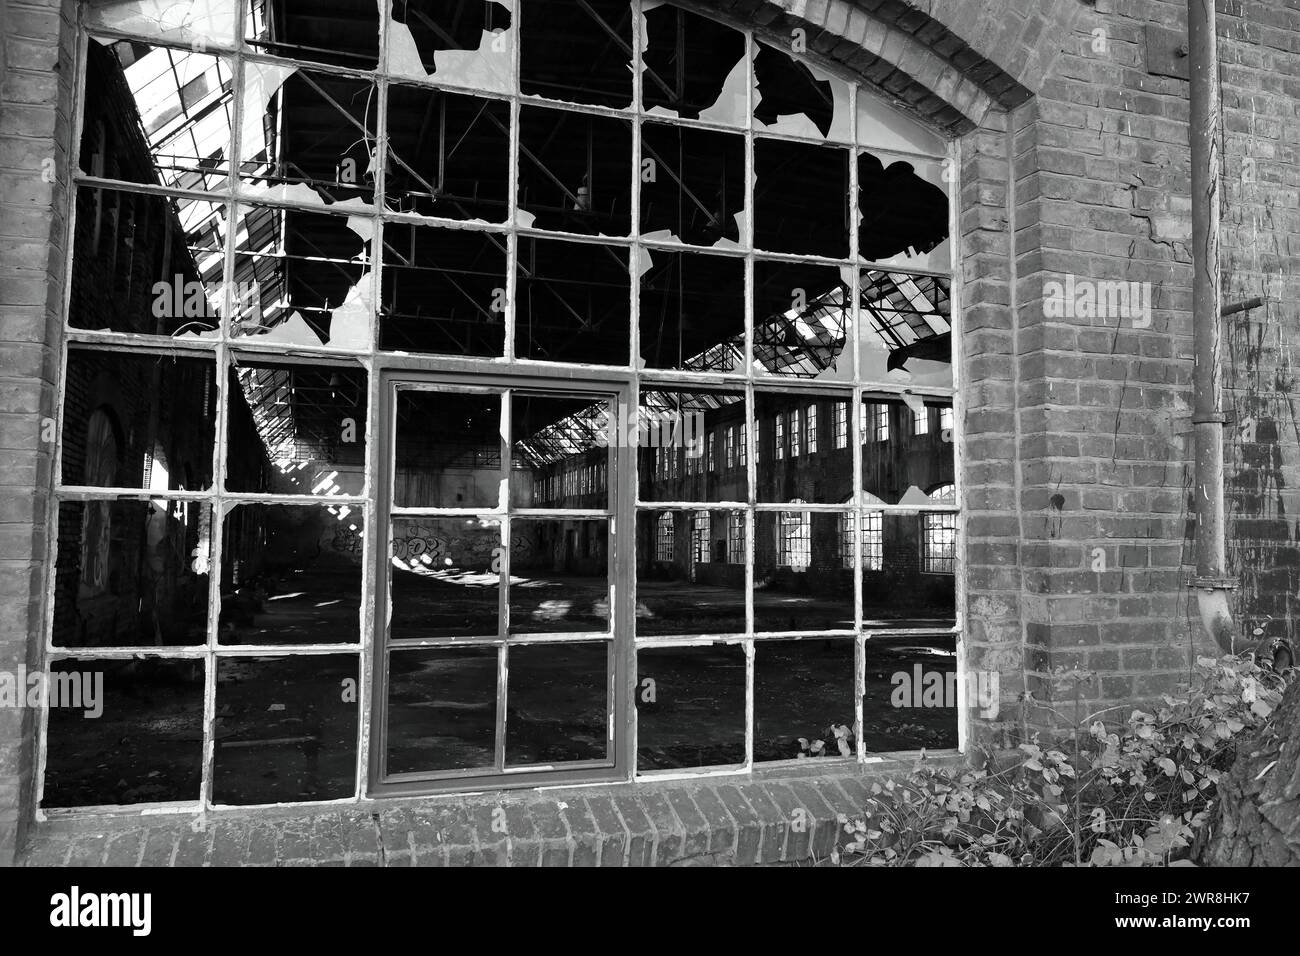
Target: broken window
[910, 697]
[296, 428]
[798, 99]
[906, 332]
[803, 699]
[196, 23]
[347, 35]
[573, 302]
[692, 185]
[690, 706]
[801, 198]
[692, 312]
[132, 573]
[148, 401]
[448, 154]
[443, 290]
[286, 729]
[898, 471]
[803, 318]
[578, 52]
[456, 42]
[291, 574]
[123, 732]
[691, 66]
[903, 211]
[574, 172]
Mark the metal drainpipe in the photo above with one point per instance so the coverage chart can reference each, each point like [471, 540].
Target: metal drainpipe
[1211, 582]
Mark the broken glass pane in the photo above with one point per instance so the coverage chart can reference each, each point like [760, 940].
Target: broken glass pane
[803, 317]
[690, 572]
[124, 411]
[291, 574]
[803, 699]
[286, 729]
[296, 428]
[801, 198]
[903, 211]
[906, 331]
[559, 575]
[446, 578]
[800, 583]
[690, 704]
[308, 136]
[151, 265]
[449, 450]
[123, 732]
[579, 52]
[692, 312]
[193, 22]
[336, 32]
[682, 438]
[910, 701]
[880, 126]
[799, 99]
[443, 290]
[441, 710]
[302, 278]
[798, 459]
[467, 43]
[179, 100]
[573, 302]
[448, 154]
[692, 66]
[574, 171]
[132, 573]
[907, 448]
[692, 185]
[557, 703]
[914, 585]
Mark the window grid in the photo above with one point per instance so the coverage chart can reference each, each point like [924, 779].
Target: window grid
[840, 425]
[224, 348]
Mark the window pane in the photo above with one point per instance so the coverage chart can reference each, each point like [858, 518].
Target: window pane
[560, 456]
[140, 741]
[302, 278]
[906, 335]
[905, 455]
[457, 42]
[557, 703]
[291, 574]
[904, 211]
[449, 450]
[690, 572]
[444, 290]
[902, 592]
[801, 198]
[693, 67]
[690, 704]
[803, 693]
[579, 52]
[803, 317]
[573, 302]
[138, 420]
[445, 579]
[151, 265]
[797, 461]
[296, 429]
[911, 693]
[692, 185]
[132, 573]
[286, 729]
[800, 582]
[575, 172]
[448, 154]
[692, 312]
[681, 439]
[798, 98]
[348, 36]
[441, 710]
[182, 101]
[559, 576]
[182, 21]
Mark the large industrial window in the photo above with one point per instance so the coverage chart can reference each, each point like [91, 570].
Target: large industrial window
[276, 216]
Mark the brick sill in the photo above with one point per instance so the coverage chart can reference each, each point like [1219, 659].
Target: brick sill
[780, 814]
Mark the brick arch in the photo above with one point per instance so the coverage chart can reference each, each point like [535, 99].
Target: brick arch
[948, 61]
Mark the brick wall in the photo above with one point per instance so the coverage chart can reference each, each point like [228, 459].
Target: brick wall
[35, 80]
